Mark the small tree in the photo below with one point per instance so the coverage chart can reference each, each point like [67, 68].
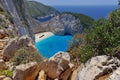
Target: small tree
[104, 37]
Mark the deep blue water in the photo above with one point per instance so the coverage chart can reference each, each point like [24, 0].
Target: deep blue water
[49, 46]
[44, 19]
[95, 12]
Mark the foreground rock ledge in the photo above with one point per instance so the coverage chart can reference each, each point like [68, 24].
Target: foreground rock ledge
[27, 71]
[99, 66]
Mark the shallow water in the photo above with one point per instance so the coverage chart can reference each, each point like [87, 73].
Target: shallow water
[51, 45]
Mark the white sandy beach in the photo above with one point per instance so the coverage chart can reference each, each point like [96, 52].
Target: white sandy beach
[43, 35]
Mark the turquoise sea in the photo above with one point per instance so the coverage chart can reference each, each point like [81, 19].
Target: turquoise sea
[51, 45]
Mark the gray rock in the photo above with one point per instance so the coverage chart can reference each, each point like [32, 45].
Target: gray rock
[61, 55]
[60, 25]
[115, 75]
[67, 24]
[56, 65]
[14, 44]
[98, 66]
[10, 49]
[18, 12]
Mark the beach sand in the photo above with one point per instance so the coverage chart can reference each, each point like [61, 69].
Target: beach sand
[43, 35]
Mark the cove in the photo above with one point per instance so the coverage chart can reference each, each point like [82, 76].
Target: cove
[51, 45]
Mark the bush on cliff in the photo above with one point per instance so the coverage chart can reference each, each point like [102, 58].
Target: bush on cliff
[102, 39]
[25, 55]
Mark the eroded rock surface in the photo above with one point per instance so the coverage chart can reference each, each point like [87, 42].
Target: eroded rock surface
[27, 71]
[98, 66]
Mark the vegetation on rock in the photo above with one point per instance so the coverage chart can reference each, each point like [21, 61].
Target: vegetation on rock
[102, 39]
[36, 9]
[26, 55]
[8, 73]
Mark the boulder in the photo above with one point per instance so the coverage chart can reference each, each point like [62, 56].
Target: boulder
[27, 71]
[2, 65]
[56, 65]
[10, 49]
[115, 75]
[74, 75]
[13, 45]
[2, 34]
[60, 55]
[2, 77]
[1, 45]
[42, 75]
[98, 66]
[66, 74]
[7, 78]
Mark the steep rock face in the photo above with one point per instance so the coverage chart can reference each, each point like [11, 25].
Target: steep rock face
[66, 24]
[60, 25]
[19, 14]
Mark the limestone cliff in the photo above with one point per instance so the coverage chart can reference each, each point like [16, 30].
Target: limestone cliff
[21, 20]
[60, 25]
[64, 23]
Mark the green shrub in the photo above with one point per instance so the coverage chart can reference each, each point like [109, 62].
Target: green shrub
[25, 55]
[103, 37]
[85, 53]
[114, 17]
[8, 73]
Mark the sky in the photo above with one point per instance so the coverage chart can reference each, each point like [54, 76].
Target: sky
[78, 2]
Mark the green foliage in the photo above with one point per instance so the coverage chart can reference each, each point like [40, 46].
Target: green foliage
[37, 9]
[86, 21]
[2, 11]
[103, 37]
[8, 73]
[85, 53]
[114, 17]
[25, 55]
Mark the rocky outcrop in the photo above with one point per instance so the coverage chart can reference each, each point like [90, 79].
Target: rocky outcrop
[42, 75]
[27, 71]
[57, 67]
[60, 25]
[3, 66]
[98, 66]
[66, 24]
[18, 12]
[115, 75]
[13, 45]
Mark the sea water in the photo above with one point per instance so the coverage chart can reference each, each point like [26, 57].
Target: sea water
[51, 45]
[95, 12]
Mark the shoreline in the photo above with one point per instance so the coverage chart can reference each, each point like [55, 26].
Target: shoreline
[43, 35]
